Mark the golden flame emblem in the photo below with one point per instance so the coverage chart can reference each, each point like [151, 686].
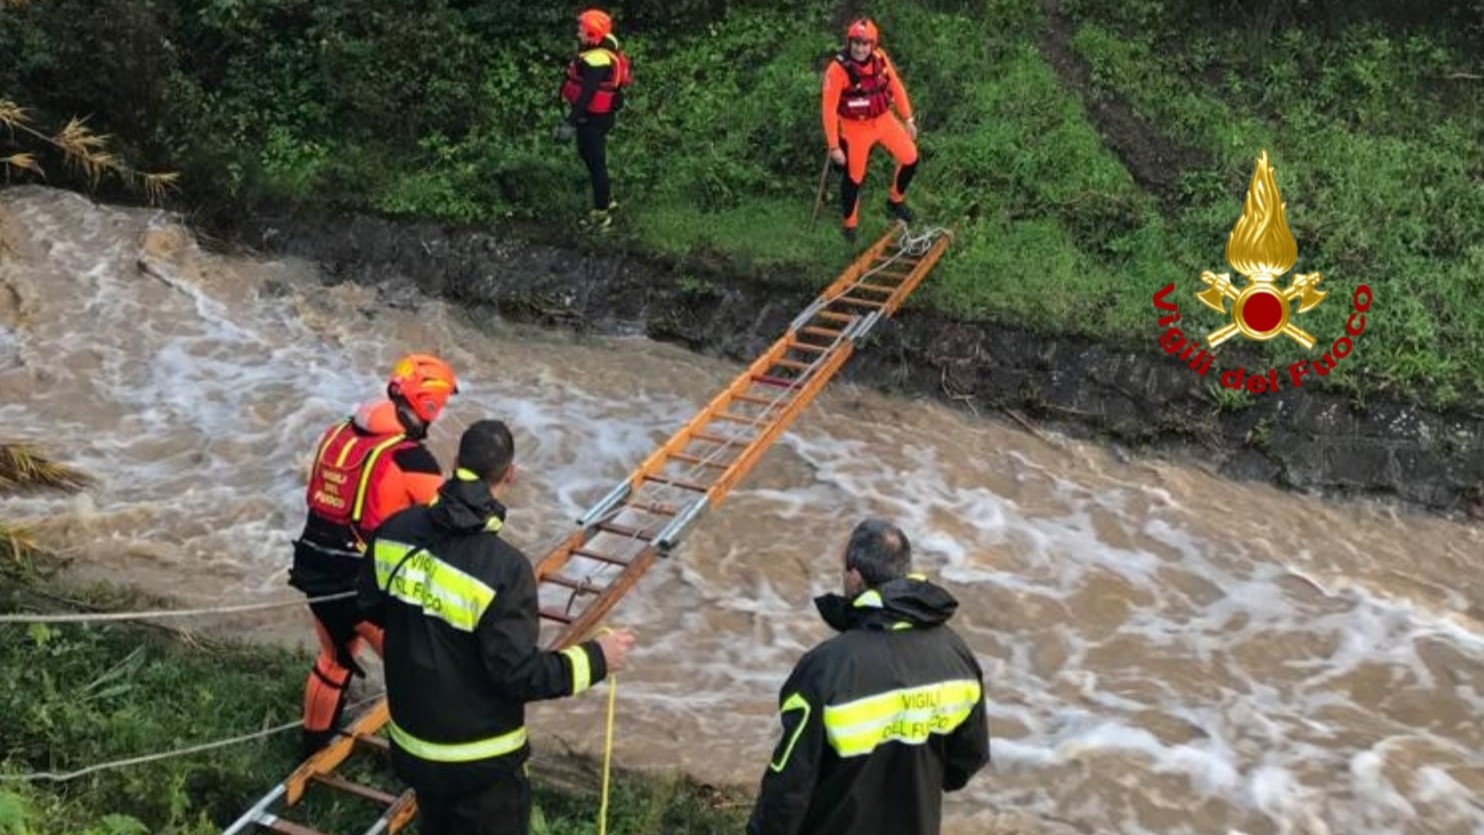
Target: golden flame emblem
[1261, 248]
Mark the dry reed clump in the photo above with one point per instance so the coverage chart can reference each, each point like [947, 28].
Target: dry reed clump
[81, 148]
[22, 467]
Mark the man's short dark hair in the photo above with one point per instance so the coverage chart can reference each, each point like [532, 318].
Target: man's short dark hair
[879, 551]
[486, 449]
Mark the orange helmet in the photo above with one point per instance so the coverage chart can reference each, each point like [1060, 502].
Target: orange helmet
[862, 28]
[424, 383]
[596, 25]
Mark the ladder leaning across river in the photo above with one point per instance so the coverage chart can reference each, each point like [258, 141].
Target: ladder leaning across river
[587, 573]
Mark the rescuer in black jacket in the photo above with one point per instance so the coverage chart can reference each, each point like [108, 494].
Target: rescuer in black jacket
[459, 608]
[882, 719]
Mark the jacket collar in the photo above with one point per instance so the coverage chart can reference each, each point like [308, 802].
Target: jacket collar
[904, 603]
[464, 504]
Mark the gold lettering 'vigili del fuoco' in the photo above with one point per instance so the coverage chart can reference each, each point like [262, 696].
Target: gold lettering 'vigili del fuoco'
[1261, 248]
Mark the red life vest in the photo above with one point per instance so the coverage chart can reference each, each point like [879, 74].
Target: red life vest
[346, 467]
[869, 93]
[619, 76]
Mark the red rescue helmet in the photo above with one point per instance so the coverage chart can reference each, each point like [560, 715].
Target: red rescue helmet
[595, 25]
[862, 29]
[424, 383]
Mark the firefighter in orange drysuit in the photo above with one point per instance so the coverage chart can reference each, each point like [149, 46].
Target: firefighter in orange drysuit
[861, 88]
[366, 468]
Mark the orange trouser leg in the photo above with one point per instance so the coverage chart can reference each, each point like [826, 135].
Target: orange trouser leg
[857, 138]
[894, 137]
[324, 692]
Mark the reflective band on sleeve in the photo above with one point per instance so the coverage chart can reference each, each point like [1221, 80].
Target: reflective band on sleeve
[582, 674]
[495, 746]
[909, 715]
[427, 582]
[794, 702]
[869, 599]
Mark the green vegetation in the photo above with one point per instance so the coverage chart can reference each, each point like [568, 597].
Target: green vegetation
[1371, 112]
[77, 696]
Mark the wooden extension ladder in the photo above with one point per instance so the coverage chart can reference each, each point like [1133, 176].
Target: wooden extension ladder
[584, 576]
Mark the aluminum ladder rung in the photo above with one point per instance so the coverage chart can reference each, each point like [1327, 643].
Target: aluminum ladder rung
[776, 382]
[675, 482]
[624, 530]
[760, 401]
[808, 346]
[363, 792]
[814, 331]
[274, 823]
[715, 439]
[594, 555]
[579, 586]
[696, 459]
[654, 508]
[378, 743]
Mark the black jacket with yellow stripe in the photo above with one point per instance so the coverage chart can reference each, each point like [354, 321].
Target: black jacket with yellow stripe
[459, 608]
[878, 721]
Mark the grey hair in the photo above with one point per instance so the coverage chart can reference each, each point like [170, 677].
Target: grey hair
[879, 551]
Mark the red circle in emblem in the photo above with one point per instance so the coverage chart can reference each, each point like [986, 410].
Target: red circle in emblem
[1262, 311]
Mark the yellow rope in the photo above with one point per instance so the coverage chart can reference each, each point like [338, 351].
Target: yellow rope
[607, 745]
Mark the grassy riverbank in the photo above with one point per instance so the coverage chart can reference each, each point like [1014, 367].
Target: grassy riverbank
[76, 696]
[1085, 157]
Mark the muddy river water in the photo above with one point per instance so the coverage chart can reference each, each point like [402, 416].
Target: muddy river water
[1165, 652]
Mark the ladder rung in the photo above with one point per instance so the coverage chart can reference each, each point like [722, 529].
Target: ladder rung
[715, 439]
[767, 380]
[696, 459]
[833, 316]
[861, 302]
[624, 530]
[897, 276]
[877, 287]
[364, 792]
[580, 586]
[654, 508]
[675, 482]
[377, 742]
[814, 331]
[791, 364]
[746, 420]
[809, 346]
[274, 823]
[761, 401]
[594, 555]
[552, 614]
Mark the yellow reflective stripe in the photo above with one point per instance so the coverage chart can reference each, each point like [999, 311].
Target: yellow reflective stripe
[319, 455]
[794, 702]
[599, 58]
[366, 470]
[918, 577]
[462, 474]
[495, 746]
[909, 715]
[900, 625]
[870, 599]
[582, 674]
[439, 589]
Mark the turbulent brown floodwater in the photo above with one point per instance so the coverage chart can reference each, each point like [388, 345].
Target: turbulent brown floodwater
[1165, 652]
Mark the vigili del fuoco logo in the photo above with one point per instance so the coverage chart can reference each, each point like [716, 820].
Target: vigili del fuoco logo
[1261, 249]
